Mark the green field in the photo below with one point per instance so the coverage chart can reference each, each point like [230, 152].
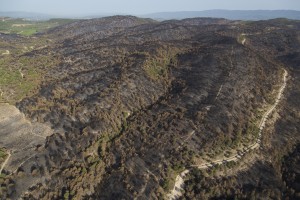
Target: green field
[21, 77]
[27, 28]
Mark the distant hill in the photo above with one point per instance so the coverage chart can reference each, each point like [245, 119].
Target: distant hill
[41, 16]
[228, 14]
[27, 15]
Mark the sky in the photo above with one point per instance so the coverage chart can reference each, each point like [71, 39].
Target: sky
[139, 7]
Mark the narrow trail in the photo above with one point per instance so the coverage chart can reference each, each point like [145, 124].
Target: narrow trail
[179, 181]
[5, 162]
[188, 137]
[7, 52]
[142, 190]
[20, 165]
[21, 73]
[243, 41]
[230, 71]
[38, 135]
[220, 89]
[231, 62]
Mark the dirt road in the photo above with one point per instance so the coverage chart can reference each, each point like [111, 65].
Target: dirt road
[179, 182]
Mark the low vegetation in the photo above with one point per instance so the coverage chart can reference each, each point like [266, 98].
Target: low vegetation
[27, 28]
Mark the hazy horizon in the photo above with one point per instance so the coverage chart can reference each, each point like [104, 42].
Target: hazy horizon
[135, 7]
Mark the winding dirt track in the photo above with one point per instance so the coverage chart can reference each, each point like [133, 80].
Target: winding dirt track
[179, 181]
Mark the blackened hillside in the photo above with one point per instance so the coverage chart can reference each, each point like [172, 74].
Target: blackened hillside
[133, 102]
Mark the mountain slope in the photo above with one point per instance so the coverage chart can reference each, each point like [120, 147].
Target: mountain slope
[133, 102]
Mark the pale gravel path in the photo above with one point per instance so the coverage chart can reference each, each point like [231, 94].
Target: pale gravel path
[179, 181]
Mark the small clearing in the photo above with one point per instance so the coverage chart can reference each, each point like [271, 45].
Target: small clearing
[243, 41]
[19, 136]
[21, 25]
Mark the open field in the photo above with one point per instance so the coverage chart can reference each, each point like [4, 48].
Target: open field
[27, 28]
